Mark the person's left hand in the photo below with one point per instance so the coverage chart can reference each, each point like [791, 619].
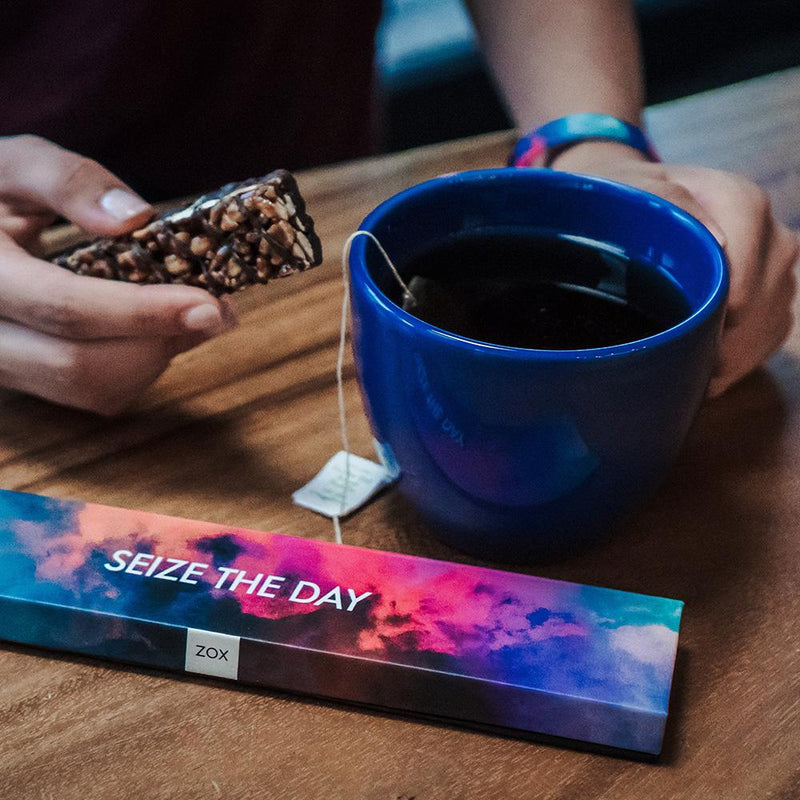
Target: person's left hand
[762, 252]
[71, 339]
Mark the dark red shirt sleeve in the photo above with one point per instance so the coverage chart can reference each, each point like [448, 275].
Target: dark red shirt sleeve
[178, 97]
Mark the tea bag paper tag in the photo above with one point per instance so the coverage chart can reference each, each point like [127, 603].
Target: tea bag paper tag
[344, 484]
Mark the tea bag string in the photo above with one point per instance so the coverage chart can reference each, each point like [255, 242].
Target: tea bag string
[408, 297]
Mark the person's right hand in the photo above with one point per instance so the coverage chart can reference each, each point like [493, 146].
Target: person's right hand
[86, 342]
[762, 253]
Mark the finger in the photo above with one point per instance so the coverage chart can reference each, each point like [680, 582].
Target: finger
[732, 367]
[757, 329]
[759, 262]
[103, 376]
[23, 220]
[776, 275]
[188, 341]
[77, 187]
[747, 345]
[785, 251]
[53, 300]
[745, 213]
[681, 196]
[26, 230]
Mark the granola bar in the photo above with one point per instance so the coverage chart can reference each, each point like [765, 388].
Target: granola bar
[244, 233]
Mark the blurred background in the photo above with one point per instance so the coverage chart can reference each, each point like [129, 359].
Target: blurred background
[435, 85]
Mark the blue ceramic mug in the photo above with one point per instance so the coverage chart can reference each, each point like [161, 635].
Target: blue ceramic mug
[515, 453]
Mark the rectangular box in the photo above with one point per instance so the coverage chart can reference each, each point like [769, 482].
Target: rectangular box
[461, 643]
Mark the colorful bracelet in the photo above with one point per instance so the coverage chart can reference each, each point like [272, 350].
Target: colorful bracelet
[539, 147]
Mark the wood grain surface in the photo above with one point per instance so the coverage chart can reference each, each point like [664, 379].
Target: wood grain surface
[235, 426]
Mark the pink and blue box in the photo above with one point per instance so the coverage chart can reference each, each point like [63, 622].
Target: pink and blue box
[464, 644]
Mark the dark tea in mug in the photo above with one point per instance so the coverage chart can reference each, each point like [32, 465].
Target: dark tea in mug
[541, 292]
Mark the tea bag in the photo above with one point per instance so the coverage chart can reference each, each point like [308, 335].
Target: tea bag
[450, 304]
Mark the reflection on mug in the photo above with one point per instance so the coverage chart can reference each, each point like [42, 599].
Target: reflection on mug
[492, 461]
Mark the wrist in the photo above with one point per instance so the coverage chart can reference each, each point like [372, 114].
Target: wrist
[588, 153]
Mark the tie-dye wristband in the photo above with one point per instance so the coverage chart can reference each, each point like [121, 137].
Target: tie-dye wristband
[465, 644]
[539, 147]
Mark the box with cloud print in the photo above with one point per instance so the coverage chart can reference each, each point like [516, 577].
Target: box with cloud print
[465, 644]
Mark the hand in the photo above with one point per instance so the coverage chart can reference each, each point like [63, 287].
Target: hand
[761, 252]
[85, 342]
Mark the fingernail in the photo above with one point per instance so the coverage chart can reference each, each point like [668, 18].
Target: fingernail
[205, 317]
[122, 204]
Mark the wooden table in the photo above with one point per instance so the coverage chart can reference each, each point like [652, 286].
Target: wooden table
[235, 426]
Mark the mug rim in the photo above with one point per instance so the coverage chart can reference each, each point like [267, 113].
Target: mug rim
[717, 294]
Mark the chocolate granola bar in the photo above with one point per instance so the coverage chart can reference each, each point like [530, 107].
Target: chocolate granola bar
[244, 233]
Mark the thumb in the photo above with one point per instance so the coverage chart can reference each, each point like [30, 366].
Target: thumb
[78, 188]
